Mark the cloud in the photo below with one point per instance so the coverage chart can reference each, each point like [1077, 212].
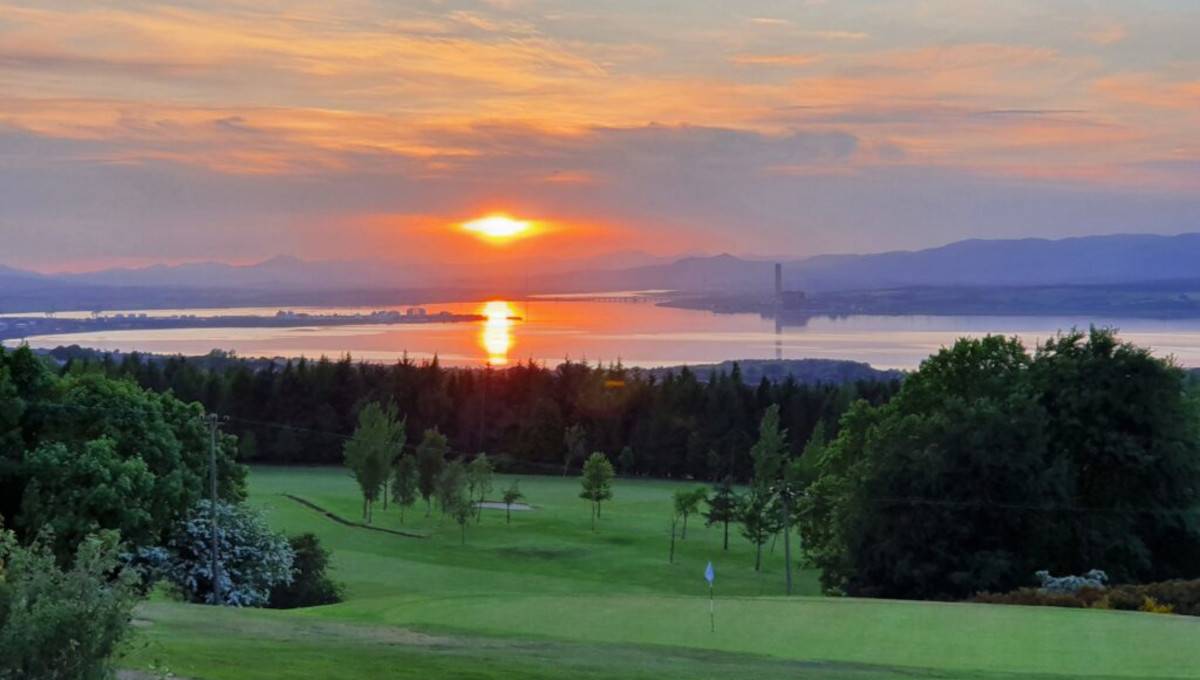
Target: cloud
[1106, 32]
[786, 60]
[139, 128]
[1150, 90]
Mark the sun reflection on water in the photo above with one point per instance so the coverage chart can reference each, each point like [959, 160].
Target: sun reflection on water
[497, 334]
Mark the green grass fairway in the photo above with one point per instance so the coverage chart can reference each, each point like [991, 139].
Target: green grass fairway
[546, 597]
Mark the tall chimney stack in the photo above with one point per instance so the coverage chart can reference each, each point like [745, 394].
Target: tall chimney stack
[778, 279]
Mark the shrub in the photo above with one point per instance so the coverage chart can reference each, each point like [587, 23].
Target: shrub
[1031, 597]
[62, 624]
[1153, 606]
[253, 559]
[310, 585]
[1125, 599]
[1166, 597]
[1184, 596]
[1091, 597]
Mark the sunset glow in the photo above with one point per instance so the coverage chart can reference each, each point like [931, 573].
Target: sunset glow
[499, 227]
[383, 130]
[497, 335]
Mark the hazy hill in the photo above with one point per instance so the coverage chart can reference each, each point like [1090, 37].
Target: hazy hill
[1107, 260]
[1024, 262]
[1089, 260]
[277, 273]
[290, 273]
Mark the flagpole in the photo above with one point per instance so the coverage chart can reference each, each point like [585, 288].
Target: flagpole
[711, 577]
[712, 609]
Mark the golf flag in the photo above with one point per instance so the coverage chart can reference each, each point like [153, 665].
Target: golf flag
[708, 574]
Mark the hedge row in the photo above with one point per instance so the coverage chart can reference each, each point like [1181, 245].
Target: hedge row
[1178, 597]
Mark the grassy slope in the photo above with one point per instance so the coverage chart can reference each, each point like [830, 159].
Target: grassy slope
[547, 597]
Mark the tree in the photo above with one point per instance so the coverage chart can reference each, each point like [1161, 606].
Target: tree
[248, 446]
[461, 509]
[723, 507]
[991, 464]
[1128, 431]
[511, 495]
[86, 452]
[311, 585]
[431, 460]
[575, 441]
[404, 483]
[805, 470]
[760, 518]
[687, 502]
[391, 455]
[770, 451]
[371, 452]
[479, 482]
[63, 623]
[596, 481]
[627, 461]
[773, 483]
[452, 486]
[78, 490]
[252, 559]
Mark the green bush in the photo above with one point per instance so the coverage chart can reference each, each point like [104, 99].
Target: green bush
[310, 585]
[62, 624]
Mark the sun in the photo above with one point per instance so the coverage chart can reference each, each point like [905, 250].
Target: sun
[499, 227]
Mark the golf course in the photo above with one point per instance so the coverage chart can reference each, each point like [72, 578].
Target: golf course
[546, 596]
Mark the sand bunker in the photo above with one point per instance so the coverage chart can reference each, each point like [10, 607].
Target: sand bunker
[495, 505]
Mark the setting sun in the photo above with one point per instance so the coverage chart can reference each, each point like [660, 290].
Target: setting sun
[498, 227]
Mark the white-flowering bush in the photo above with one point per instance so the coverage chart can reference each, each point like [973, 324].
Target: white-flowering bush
[1069, 585]
[252, 559]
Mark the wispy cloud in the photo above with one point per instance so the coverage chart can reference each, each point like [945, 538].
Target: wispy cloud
[712, 117]
[775, 59]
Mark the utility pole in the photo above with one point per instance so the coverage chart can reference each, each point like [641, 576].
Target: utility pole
[215, 566]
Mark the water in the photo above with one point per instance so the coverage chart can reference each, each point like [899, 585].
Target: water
[636, 334]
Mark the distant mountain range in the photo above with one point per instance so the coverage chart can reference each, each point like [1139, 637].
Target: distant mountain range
[1115, 259]
[1107, 260]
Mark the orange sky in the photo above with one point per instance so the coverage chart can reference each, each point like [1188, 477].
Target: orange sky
[134, 132]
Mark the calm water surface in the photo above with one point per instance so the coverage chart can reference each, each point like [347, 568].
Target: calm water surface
[636, 334]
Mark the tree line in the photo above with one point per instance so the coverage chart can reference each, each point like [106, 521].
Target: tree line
[534, 418]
